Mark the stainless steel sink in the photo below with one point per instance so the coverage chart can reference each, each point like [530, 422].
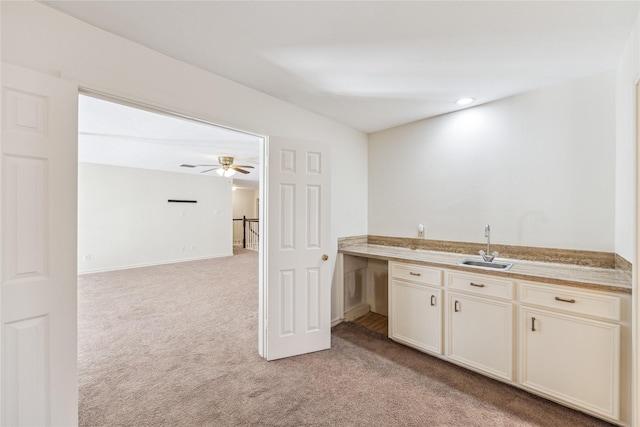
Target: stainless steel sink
[494, 265]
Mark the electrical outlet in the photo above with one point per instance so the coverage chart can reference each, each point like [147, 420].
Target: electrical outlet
[420, 230]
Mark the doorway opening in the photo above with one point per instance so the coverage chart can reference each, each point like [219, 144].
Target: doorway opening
[155, 238]
[150, 190]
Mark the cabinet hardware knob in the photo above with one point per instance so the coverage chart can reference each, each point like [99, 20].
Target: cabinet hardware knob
[477, 285]
[433, 300]
[456, 306]
[533, 324]
[572, 301]
[325, 257]
[414, 274]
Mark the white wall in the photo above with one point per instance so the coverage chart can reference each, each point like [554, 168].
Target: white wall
[627, 75]
[124, 219]
[40, 38]
[244, 203]
[538, 167]
[627, 220]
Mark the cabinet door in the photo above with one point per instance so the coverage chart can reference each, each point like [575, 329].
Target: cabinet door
[415, 316]
[480, 334]
[571, 358]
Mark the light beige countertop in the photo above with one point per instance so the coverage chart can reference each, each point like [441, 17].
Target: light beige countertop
[606, 279]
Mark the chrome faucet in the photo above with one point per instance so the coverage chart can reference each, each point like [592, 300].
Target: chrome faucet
[488, 256]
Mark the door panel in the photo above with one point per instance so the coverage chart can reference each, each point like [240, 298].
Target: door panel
[571, 358]
[38, 272]
[298, 290]
[480, 334]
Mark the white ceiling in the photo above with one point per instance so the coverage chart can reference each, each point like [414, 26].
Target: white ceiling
[377, 64]
[115, 134]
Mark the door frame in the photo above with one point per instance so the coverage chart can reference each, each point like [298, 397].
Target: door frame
[84, 89]
[635, 303]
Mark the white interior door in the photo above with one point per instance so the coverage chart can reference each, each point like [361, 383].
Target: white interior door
[297, 297]
[38, 272]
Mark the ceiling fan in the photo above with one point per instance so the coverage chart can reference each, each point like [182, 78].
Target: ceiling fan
[226, 167]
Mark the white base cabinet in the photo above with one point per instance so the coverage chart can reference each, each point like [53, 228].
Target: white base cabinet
[567, 351]
[415, 307]
[479, 325]
[567, 344]
[479, 334]
[417, 316]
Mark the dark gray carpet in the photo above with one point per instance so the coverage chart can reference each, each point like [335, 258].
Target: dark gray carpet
[176, 345]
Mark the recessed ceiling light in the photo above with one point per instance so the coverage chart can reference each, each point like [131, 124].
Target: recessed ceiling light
[465, 101]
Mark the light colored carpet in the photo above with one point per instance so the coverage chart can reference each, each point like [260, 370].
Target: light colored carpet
[176, 345]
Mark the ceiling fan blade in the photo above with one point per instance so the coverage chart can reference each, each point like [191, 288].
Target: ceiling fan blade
[242, 166]
[208, 170]
[235, 168]
[206, 165]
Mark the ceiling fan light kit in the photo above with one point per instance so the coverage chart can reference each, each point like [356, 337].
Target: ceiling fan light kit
[226, 172]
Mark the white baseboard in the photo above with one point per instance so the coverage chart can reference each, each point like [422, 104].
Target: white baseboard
[151, 264]
[356, 312]
[336, 322]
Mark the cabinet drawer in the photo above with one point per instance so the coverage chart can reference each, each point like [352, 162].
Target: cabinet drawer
[480, 284]
[571, 300]
[416, 273]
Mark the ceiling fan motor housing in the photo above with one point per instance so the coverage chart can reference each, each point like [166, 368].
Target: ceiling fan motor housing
[225, 160]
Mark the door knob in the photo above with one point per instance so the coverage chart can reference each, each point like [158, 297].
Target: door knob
[325, 257]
